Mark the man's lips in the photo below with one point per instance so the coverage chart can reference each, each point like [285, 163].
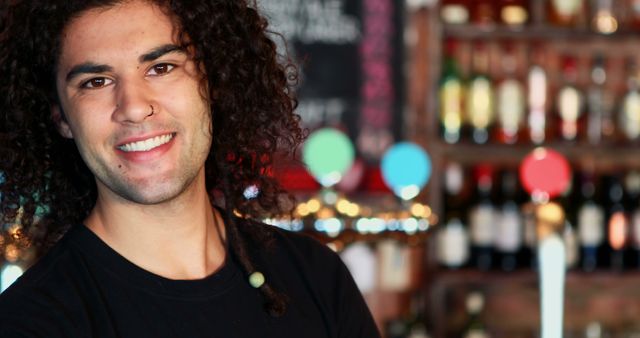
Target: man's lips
[146, 144]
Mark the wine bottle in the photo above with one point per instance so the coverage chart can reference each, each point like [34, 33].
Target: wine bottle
[604, 19]
[510, 99]
[629, 116]
[483, 13]
[480, 106]
[475, 327]
[569, 101]
[566, 13]
[591, 226]
[632, 186]
[596, 100]
[451, 95]
[537, 98]
[514, 13]
[482, 219]
[509, 226]
[454, 12]
[617, 224]
[452, 239]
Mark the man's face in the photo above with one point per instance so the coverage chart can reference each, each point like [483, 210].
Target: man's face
[132, 103]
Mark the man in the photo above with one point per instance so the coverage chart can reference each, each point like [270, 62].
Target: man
[121, 123]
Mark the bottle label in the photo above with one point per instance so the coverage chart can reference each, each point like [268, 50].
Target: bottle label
[454, 14]
[514, 15]
[631, 115]
[571, 245]
[569, 102]
[567, 7]
[453, 244]
[509, 230]
[476, 334]
[482, 221]
[618, 230]
[591, 225]
[451, 101]
[480, 103]
[511, 106]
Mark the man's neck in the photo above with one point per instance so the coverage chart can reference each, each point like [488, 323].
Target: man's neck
[180, 239]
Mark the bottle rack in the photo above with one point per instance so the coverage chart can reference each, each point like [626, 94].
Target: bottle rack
[513, 295]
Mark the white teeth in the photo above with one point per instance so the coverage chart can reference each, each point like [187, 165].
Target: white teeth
[147, 144]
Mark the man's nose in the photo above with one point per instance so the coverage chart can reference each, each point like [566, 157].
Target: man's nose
[134, 102]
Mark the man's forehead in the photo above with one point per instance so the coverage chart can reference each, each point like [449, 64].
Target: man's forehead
[128, 29]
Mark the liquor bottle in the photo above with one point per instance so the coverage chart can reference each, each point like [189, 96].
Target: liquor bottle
[482, 219]
[483, 13]
[604, 19]
[570, 238]
[510, 99]
[617, 224]
[454, 12]
[480, 107]
[569, 231]
[452, 241]
[596, 101]
[569, 102]
[417, 327]
[514, 13]
[451, 96]
[537, 98]
[509, 226]
[566, 13]
[591, 226]
[632, 186]
[530, 236]
[629, 115]
[475, 327]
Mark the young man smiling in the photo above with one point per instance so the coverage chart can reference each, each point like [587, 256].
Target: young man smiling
[122, 120]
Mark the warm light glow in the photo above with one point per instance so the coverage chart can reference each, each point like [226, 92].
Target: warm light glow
[313, 205]
[325, 213]
[353, 210]
[302, 209]
[11, 253]
[618, 229]
[417, 209]
[343, 205]
[605, 23]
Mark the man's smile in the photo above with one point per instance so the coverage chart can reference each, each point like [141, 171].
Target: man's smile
[148, 144]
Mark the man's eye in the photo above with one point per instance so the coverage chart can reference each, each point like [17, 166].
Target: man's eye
[97, 82]
[161, 69]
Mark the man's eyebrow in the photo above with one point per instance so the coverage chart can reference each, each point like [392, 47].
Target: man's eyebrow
[159, 51]
[87, 68]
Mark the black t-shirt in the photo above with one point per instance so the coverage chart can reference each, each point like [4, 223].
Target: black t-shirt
[83, 288]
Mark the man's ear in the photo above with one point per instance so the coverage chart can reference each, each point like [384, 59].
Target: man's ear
[60, 121]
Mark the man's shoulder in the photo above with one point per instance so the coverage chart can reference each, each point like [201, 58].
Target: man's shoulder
[302, 246]
[41, 297]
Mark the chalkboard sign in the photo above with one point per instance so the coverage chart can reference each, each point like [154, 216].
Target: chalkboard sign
[349, 54]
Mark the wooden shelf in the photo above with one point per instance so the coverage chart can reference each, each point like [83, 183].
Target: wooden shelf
[542, 32]
[513, 305]
[605, 156]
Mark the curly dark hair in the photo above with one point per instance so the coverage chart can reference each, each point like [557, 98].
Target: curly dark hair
[45, 186]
